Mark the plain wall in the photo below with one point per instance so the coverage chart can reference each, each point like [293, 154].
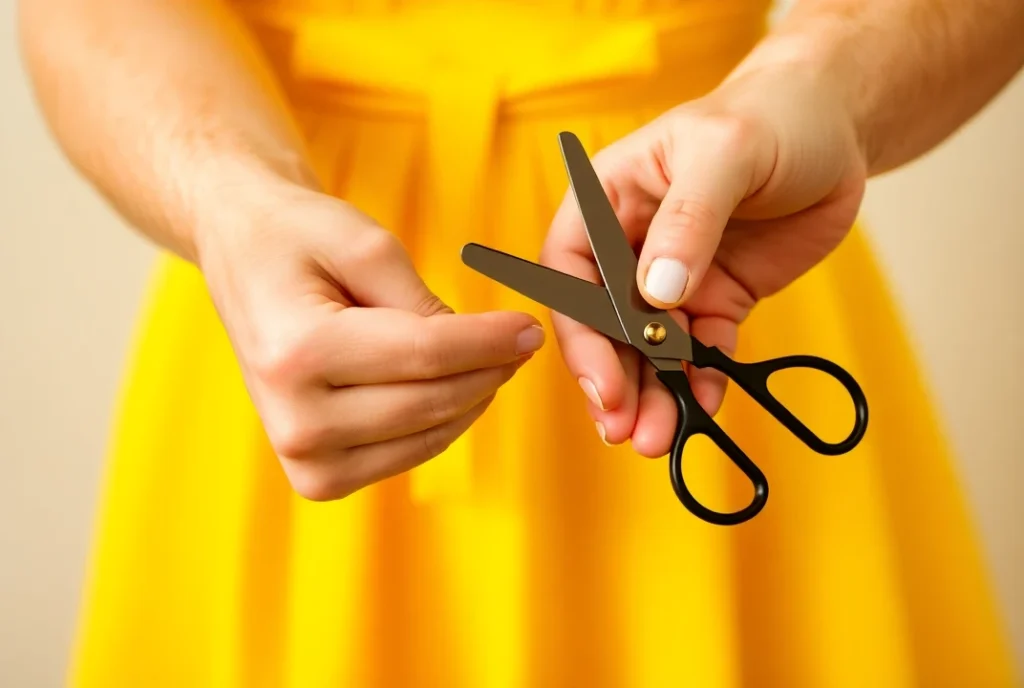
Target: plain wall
[949, 228]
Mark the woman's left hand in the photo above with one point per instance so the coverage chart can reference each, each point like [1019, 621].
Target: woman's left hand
[733, 196]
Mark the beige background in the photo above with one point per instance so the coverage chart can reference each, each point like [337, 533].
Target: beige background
[949, 228]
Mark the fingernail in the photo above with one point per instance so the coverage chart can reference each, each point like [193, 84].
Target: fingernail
[601, 433]
[591, 391]
[666, 279]
[529, 340]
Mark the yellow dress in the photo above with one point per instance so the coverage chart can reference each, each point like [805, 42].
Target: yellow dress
[529, 554]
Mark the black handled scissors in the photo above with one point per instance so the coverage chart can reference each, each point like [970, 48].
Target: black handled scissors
[618, 310]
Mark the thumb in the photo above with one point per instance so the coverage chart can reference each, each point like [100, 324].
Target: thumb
[705, 188]
[376, 271]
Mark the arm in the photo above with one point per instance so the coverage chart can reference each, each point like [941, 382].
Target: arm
[911, 71]
[747, 188]
[170, 110]
[162, 105]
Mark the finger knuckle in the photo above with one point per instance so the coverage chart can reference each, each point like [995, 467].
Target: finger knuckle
[295, 436]
[374, 247]
[428, 354]
[612, 165]
[287, 356]
[732, 135]
[435, 441]
[685, 215]
[316, 483]
[605, 160]
[441, 405]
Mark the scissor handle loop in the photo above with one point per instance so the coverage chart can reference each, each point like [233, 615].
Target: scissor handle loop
[694, 420]
[753, 379]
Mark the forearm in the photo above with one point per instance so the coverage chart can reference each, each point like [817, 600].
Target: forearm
[164, 106]
[910, 71]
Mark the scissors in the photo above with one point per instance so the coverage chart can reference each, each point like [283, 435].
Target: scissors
[618, 310]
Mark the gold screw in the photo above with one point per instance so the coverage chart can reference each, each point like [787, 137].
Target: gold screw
[655, 333]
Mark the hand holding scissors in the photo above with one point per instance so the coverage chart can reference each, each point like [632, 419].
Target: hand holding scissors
[618, 310]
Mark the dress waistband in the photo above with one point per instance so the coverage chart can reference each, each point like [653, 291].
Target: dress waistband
[523, 58]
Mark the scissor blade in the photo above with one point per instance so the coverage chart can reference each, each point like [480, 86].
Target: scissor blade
[615, 257]
[584, 302]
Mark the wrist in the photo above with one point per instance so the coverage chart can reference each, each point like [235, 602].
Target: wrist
[815, 51]
[231, 192]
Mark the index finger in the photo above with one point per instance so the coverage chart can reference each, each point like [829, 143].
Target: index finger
[378, 345]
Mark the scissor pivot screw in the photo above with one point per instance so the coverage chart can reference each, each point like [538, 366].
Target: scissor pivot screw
[655, 333]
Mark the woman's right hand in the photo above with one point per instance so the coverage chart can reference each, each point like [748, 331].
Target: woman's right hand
[356, 369]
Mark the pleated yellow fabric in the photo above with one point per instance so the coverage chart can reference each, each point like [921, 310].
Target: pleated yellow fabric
[529, 554]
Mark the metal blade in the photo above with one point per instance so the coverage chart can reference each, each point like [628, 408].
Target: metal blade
[615, 257]
[584, 302]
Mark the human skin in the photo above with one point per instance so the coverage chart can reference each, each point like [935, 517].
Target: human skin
[172, 113]
[740, 192]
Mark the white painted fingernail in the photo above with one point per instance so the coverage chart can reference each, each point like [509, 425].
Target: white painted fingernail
[666, 279]
[590, 389]
[601, 434]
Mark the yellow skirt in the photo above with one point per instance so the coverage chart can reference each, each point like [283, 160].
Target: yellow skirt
[529, 554]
